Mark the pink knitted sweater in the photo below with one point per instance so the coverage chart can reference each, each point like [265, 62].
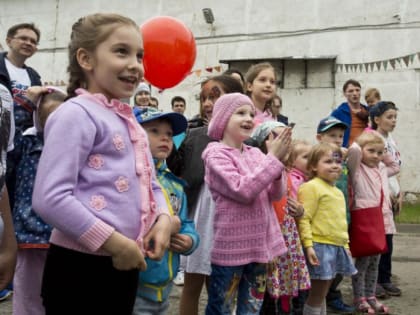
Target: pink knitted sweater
[243, 185]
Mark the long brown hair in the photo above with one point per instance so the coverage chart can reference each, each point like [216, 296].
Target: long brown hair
[253, 72]
[88, 32]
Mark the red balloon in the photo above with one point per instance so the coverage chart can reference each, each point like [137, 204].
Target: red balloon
[169, 51]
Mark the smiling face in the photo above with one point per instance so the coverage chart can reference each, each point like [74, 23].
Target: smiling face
[239, 127]
[115, 68]
[142, 99]
[160, 133]
[23, 44]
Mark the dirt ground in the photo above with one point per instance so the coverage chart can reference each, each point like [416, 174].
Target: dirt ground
[406, 267]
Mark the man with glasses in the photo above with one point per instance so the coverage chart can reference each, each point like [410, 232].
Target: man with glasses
[22, 40]
[16, 77]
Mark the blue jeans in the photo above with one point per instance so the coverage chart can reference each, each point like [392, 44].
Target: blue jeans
[145, 306]
[246, 282]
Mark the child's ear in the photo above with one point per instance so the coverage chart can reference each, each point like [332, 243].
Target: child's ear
[319, 137]
[376, 119]
[248, 87]
[84, 58]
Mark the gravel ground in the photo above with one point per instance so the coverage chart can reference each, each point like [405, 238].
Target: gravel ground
[405, 267]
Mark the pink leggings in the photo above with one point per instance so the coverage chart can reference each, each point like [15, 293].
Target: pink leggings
[27, 282]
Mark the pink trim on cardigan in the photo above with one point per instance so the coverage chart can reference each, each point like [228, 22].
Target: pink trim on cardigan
[144, 169]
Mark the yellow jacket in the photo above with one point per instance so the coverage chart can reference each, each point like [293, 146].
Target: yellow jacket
[324, 220]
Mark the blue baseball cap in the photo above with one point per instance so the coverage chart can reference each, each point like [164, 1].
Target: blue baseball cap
[329, 122]
[178, 121]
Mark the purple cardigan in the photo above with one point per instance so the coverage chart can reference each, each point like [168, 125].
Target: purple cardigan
[243, 186]
[89, 174]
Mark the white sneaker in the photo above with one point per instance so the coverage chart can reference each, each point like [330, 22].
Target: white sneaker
[179, 279]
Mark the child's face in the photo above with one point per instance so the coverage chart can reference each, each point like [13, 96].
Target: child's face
[240, 124]
[264, 85]
[333, 135]
[301, 160]
[372, 101]
[328, 167]
[387, 121]
[45, 110]
[115, 68]
[210, 92]
[372, 154]
[160, 134]
[142, 99]
[276, 107]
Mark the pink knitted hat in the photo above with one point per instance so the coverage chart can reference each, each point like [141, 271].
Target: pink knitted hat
[223, 109]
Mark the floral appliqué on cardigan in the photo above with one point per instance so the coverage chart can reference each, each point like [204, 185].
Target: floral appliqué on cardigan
[98, 202]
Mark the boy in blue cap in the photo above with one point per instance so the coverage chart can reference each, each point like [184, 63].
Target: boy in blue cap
[155, 283]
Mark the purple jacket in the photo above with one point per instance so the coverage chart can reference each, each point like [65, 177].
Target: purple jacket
[243, 186]
[89, 176]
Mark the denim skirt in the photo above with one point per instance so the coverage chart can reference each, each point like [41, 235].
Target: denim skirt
[333, 260]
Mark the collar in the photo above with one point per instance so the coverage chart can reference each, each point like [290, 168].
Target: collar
[297, 172]
[121, 108]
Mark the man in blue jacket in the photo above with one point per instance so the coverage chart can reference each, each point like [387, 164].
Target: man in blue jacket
[352, 112]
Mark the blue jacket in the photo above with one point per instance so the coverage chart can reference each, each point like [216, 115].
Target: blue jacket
[30, 229]
[156, 282]
[342, 112]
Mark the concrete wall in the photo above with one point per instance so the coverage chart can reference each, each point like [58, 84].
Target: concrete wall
[354, 32]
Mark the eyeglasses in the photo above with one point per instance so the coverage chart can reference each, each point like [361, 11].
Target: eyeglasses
[26, 39]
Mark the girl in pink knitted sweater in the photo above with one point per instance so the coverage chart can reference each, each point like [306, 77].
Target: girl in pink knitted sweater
[243, 182]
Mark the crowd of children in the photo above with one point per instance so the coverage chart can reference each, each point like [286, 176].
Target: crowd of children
[105, 205]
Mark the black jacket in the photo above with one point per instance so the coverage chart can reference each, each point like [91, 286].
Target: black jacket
[5, 78]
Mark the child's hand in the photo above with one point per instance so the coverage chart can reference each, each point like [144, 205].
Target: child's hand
[34, 92]
[344, 152]
[313, 260]
[295, 208]
[156, 241]
[280, 145]
[180, 243]
[125, 253]
[175, 224]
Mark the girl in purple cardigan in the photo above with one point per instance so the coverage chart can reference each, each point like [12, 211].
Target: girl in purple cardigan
[95, 183]
[243, 182]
